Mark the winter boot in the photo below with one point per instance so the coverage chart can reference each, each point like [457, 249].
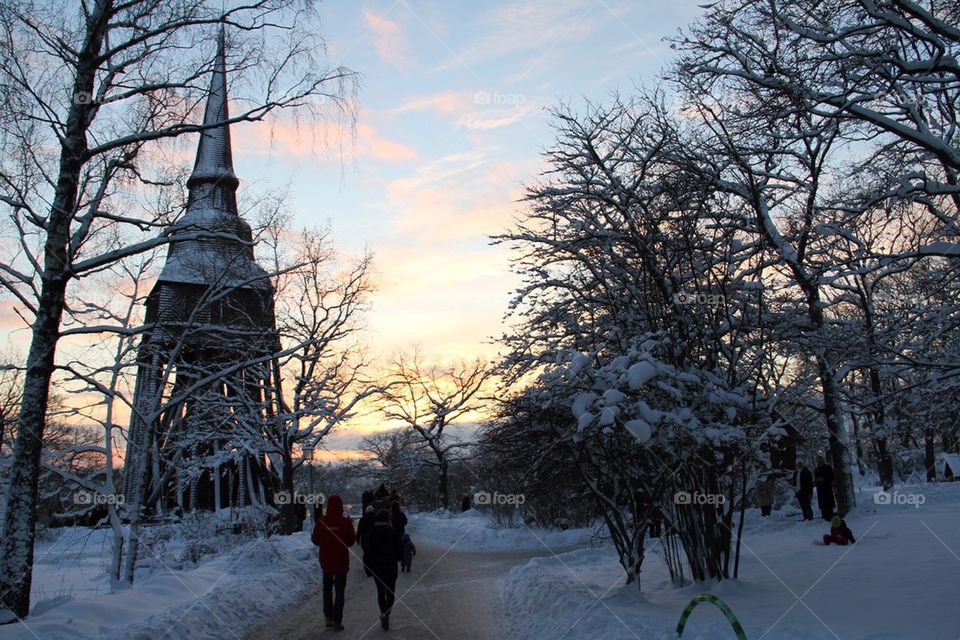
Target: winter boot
[329, 624]
[385, 621]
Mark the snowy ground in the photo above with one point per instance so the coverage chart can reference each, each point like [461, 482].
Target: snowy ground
[475, 531]
[899, 581]
[220, 597]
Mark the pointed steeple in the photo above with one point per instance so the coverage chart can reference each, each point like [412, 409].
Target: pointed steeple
[212, 206]
[214, 164]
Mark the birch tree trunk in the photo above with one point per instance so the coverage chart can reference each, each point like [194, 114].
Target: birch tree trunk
[20, 518]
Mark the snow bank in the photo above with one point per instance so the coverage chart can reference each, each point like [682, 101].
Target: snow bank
[220, 598]
[898, 581]
[475, 530]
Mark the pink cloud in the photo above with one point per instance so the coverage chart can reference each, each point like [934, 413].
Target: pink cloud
[10, 319]
[464, 196]
[447, 103]
[388, 39]
[480, 110]
[298, 139]
[373, 144]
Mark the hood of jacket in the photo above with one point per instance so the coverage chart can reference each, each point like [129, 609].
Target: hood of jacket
[334, 506]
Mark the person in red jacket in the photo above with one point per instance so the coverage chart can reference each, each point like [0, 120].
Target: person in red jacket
[333, 534]
[839, 532]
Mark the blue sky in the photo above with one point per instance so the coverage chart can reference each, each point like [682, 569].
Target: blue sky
[453, 118]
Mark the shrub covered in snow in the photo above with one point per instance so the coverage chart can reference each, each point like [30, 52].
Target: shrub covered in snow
[659, 448]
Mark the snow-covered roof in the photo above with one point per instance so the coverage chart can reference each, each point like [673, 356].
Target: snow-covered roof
[952, 459]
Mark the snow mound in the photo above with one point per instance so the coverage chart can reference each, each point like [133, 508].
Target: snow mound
[640, 374]
[475, 530]
[221, 598]
[639, 429]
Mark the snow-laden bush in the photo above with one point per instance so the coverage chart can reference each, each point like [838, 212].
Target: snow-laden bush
[202, 534]
[654, 442]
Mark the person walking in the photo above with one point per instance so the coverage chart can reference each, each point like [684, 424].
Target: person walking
[398, 518]
[381, 553]
[764, 492]
[334, 534]
[300, 515]
[823, 478]
[363, 530]
[804, 484]
[381, 498]
[409, 550]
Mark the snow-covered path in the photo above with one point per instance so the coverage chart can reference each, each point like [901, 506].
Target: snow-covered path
[450, 593]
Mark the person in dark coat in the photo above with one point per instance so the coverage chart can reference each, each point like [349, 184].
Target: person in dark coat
[300, 515]
[839, 532]
[804, 484]
[333, 534]
[823, 478]
[381, 498]
[382, 552]
[398, 518]
[409, 550]
[363, 530]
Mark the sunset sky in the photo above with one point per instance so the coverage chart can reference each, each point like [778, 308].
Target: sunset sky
[452, 119]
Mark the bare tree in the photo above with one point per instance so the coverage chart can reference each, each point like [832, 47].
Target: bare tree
[321, 376]
[428, 398]
[100, 94]
[11, 392]
[397, 459]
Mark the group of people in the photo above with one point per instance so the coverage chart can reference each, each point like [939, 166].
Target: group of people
[822, 479]
[385, 544]
[804, 482]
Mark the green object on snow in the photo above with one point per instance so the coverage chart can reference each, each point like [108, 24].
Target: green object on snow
[707, 597]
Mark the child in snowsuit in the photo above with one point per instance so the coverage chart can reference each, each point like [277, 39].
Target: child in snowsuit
[408, 552]
[839, 532]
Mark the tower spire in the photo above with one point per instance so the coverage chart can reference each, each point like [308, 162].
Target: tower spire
[214, 163]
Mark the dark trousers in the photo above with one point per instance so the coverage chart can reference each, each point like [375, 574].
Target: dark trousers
[825, 501]
[333, 587]
[765, 510]
[804, 500]
[405, 564]
[386, 588]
